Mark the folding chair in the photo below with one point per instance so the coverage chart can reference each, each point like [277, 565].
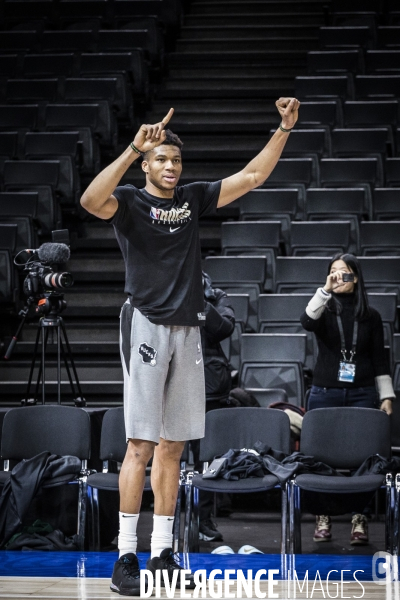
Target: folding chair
[240, 275]
[324, 238]
[351, 172]
[317, 113]
[62, 430]
[389, 36]
[9, 65]
[335, 61]
[280, 313]
[67, 148]
[348, 37]
[375, 86]
[113, 448]
[31, 90]
[300, 275]
[362, 142]
[253, 238]
[381, 273]
[380, 238]
[386, 204]
[47, 65]
[386, 305]
[392, 172]
[382, 61]
[130, 65]
[299, 173]
[21, 118]
[84, 119]
[230, 429]
[8, 145]
[324, 86]
[18, 41]
[41, 176]
[307, 142]
[346, 204]
[271, 205]
[364, 113]
[67, 41]
[342, 438]
[94, 89]
[274, 360]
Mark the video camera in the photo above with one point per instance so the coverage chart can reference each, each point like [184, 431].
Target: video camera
[43, 282]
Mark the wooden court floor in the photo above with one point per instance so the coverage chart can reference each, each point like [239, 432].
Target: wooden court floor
[52, 588]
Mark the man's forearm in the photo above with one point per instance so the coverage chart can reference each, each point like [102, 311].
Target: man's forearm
[261, 167]
[103, 185]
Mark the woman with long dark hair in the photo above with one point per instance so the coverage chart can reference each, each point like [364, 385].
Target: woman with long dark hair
[351, 369]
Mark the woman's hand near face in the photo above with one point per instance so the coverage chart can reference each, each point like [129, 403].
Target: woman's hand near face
[333, 281]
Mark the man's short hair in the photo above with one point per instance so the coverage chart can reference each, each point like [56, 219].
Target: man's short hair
[171, 139]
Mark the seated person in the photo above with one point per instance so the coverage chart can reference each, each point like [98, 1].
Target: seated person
[351, 369]
[219, 325]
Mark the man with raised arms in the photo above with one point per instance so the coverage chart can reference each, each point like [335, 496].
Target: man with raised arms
[164, 397]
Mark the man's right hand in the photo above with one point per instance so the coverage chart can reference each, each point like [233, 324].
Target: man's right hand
[151, 136]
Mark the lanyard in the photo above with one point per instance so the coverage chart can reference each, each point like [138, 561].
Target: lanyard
[343, 343]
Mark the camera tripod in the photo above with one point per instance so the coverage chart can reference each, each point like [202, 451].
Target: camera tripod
[50, 323]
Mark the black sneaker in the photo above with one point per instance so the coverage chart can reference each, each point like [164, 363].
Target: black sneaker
[166, 560]
[208, 531]
[126, 576]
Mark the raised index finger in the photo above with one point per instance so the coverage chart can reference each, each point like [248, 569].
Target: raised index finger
[168, 116]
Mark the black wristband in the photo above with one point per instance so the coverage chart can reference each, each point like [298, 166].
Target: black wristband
[134, 148]
[284, 130]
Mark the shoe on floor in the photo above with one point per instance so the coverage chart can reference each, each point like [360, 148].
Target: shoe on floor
[126, 576]
[166, 561]
[359, 530]
[322, 531]
[247, 549]
[223, 550]
[208, 531]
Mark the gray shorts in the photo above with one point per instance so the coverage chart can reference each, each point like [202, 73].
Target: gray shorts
[164, 392]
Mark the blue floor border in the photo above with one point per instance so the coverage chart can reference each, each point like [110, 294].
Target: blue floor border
[100, 564]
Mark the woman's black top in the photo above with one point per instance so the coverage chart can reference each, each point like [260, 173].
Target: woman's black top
[370, 354]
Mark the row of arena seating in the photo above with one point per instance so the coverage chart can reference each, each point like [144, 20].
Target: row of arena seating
[321, 142]
[347, 86]
[55, 12]
[300, 173]
[129, 68]
[333, 436]
[353, 61]
[83, 40]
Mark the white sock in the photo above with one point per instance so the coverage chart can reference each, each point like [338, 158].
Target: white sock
[127, 539]
[161, 537]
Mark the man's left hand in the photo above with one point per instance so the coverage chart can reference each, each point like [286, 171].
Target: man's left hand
[289, 111]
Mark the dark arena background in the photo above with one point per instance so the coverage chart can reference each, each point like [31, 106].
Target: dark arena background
[77, 79]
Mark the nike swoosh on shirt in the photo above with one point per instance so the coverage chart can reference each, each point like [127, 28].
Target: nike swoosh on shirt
[175, 229]
[198, 361]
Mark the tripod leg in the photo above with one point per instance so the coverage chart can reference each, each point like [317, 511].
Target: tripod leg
[35, 352]
[58, 333]
[65, 359]
[78, 385]
[45, 336]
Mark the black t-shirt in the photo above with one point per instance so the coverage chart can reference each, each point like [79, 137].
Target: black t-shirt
[159, 240]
